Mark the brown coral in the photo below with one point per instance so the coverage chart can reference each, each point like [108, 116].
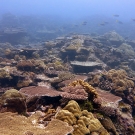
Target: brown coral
[13, 101]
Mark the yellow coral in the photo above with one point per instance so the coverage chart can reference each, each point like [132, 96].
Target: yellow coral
[83, 122]
[80, 128]
[74, 108]
[66, 116]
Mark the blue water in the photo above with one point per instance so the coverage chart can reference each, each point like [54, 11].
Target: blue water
[66, 14]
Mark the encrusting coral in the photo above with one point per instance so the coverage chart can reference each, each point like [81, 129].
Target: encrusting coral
[83, 122]
[13, 124]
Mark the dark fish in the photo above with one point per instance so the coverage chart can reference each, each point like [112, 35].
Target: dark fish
[126, 38]
[84, 23]
[102, 24]
[117, 21]
[116, 15]
[106, 22]
[133, 20]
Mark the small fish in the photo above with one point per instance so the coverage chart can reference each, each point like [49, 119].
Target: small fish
[117, 21]
[84, 23]
[116, 15]
[133, 19]
[126, 38]
[102, 24]
[76, 25]
[106, 22]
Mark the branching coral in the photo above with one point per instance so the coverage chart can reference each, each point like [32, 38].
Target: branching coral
[88, 88]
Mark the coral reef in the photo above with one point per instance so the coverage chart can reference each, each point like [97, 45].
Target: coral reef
[96, 71]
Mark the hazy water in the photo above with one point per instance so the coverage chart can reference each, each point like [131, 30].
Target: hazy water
[65, 16]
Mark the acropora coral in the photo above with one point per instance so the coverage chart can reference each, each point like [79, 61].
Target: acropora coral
[88, 88]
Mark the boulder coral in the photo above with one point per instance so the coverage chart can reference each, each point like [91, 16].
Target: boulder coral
[83, 122]
[13, 101]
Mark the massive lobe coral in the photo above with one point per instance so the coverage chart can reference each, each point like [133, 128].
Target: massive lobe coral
[83, 122]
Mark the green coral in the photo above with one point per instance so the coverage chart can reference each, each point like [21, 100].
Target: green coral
[86, 105]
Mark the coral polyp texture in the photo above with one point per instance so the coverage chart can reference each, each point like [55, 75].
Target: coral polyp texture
[11, 123]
